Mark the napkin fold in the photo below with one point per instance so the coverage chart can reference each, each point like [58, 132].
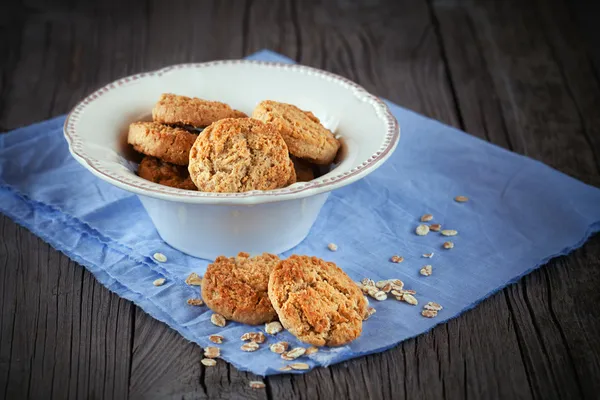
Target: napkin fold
[520, 214]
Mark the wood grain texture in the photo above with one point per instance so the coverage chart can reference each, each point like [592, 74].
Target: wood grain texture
[516, 73]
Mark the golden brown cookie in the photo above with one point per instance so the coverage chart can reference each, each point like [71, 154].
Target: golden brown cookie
[182, 110]
[162, 172]
[301, 130]
[238, 155]
[304, 170]
[316, 301]
[167, 143]
[236, 287]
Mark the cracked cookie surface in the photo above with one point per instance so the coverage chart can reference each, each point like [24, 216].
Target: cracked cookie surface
[164, 173]
[238, 155]
[301, 130]
[236, 287]
[316, 301]
[165, 142]
[174, 109]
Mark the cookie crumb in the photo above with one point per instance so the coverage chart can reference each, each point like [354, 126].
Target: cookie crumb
[218, 320]
[449, 232]
[435, 227]
[426, 217]
[194, 279]
[448, 245]
[428, 255]
[461, 199]
[208, 362]
[159, 282]
[216, 339]
[195, 302]
[257, 384]
[273, 327]
[422, 230]
[397, 259]
[332, 246]
[160, 257]
[426, 270]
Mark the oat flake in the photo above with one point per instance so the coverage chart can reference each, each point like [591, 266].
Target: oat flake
[448, 245]
[195, 302]
[216, 339]
[426, 270]
[449, 232]
[397, 259]
[300, 366]
[194, 279]
[250, 346]
[160, 257]
[159, 282]
[332, 246]
[428, 255]
[257, 384]
[422, 230]
[279, 347]
[208, 362]
[435, 227]
[429, 313]
[426, 218]
[218, 320]
[432, 306]
[461, 199]
[273, 327]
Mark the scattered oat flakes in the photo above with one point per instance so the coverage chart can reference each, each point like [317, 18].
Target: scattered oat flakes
[461, 199]
[159, 282]
[429, 313]
[300, 366]
[380, 295]
[293, 353]
[387, 288]
[250, 346]
[212, 352]
[285, 368]
[448, 245]
[428, 255]
[435, 227]
[370, 312]
[433, 306]
[194, 279]
[426, 270]
[332, 246]
[160, 257]
[218, 320]
[257, 384]
[410, 299]
[397, 283]
[449, 232]
[216, 339]
[273, 327]
[208, 362]
[397, 259]
[279, 347]
[311, 350]
[422, 230]
[426, 217]
[195, 302]
[257, 337]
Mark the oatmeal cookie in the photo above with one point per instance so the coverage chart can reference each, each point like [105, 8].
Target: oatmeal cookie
[236, 288]
[301, 130]
[316, 301]
[162, 172]
[238, 155]
[167, 143]
[182, 110]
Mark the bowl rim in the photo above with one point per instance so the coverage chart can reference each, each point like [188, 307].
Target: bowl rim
[296, 191]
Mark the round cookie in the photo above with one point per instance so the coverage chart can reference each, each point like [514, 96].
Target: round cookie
[236, 288]
[167, 143]
[238, 155]
[316, 301]
[301, 130]
[182, 110]
[158, 171]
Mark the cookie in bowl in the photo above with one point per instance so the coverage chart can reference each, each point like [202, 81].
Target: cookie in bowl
[175, 109]
[168, 143]
[164, 173]
[238, 155]
[316, 301]
[304, 134]
[236, 288]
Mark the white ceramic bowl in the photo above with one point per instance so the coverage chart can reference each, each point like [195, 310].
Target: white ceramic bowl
[210, 224]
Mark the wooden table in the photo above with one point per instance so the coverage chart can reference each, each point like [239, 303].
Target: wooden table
[516, 73]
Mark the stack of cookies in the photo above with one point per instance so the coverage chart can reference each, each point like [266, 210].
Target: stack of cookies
[313, 299]
[280, 145]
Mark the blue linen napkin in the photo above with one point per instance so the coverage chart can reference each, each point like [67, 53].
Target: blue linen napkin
[520, 214]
